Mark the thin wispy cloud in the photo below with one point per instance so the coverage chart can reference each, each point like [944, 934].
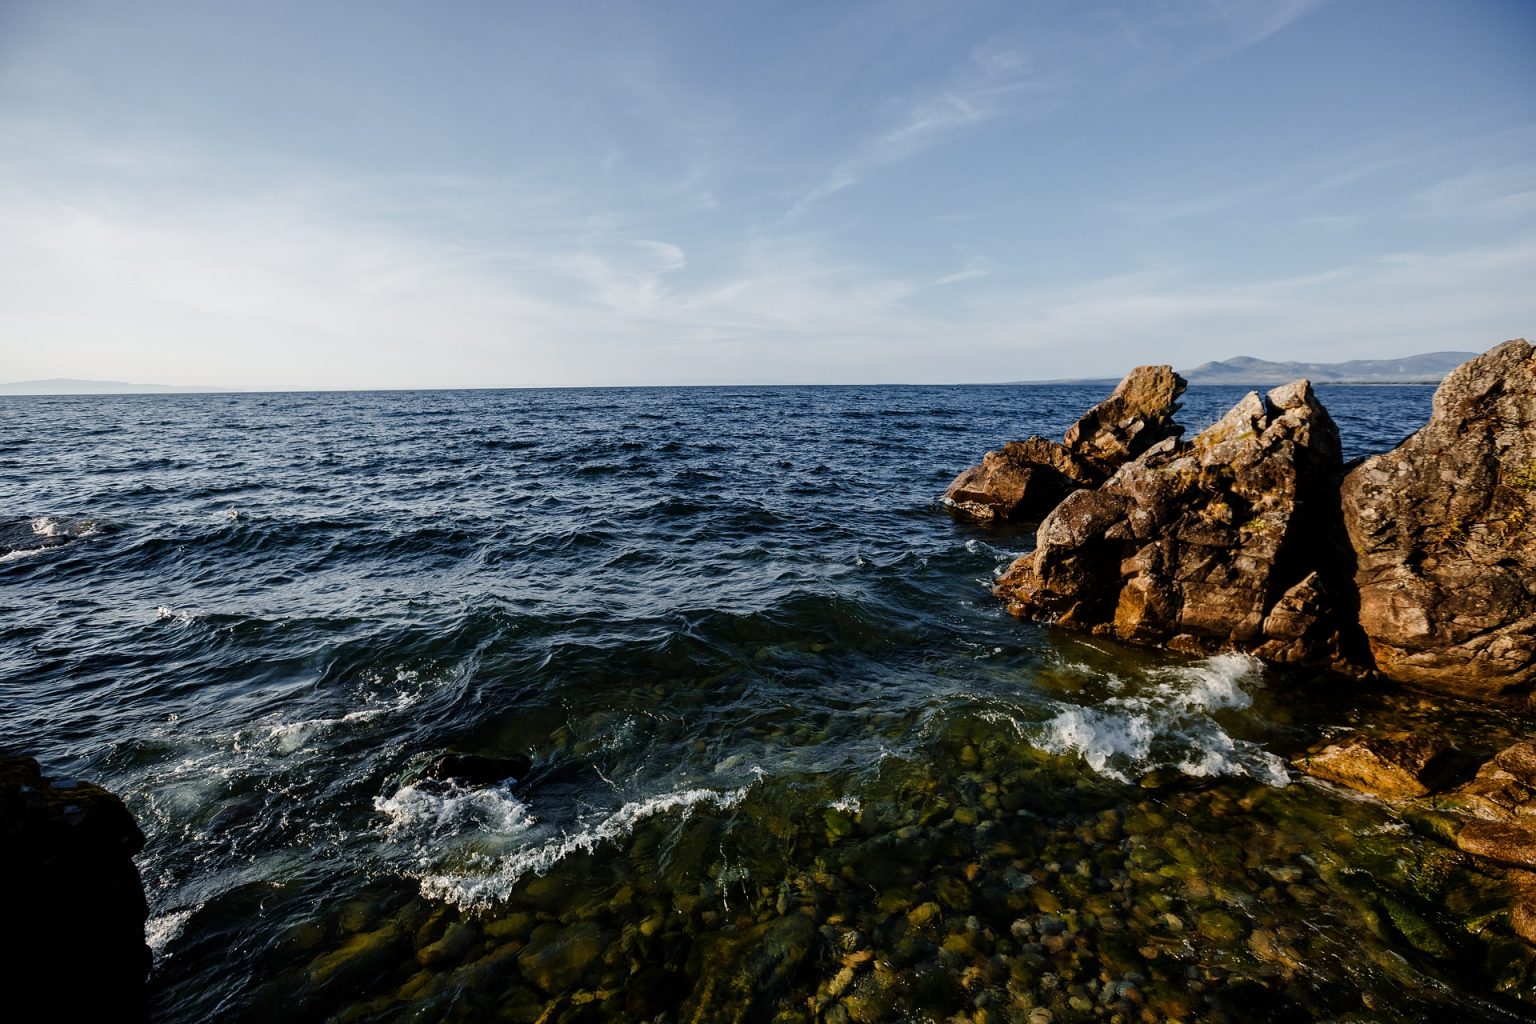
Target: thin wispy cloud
[860, 195]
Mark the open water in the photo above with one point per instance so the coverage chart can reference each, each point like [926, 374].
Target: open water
[789, 759]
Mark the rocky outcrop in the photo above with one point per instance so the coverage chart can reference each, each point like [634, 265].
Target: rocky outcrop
[1444, 533]
[75, 911]
[1229, 542]
[1025, 480]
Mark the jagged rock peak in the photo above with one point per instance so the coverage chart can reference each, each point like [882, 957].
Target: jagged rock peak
[1135, 417]
[1027, 479]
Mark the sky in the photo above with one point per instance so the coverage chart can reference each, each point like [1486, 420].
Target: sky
[286, 195]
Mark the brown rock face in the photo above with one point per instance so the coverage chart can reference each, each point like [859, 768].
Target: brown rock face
[1504, 788]
[75, 908]
[1507, 843]
[1021, 483]
[1136, 416]
[1229, 542]
[1027, 479]
[1444, 533]
[1396, 767]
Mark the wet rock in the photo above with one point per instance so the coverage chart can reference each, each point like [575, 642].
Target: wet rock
[1397, 766]
[1444, 533]
[1504, 787]
[1508, 843]
[1229, 542]
[1027, 479]
[556, 955]
[456, 940]
[75, 910]
[362, 958]
[741, 975]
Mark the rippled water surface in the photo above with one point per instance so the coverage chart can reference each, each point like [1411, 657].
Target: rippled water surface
[789, 760]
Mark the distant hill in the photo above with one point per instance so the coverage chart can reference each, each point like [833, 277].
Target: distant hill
[1429, 368]
[70, 386]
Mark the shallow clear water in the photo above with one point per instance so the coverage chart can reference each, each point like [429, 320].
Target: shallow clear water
[789, 757]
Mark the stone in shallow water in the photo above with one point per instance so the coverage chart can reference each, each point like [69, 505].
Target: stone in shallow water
[1508, 843]
[1504, 787]
[1399, 766]
[556, 955]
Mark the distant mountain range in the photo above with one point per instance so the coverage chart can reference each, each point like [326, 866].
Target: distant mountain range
[1429, 368]
[71, 386]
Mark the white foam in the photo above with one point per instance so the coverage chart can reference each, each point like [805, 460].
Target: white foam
[19, 553]
[47, 526]
[160, 931]
[493, 809]
[1167, 725]
[846, 804]
[487, 879]
[165, 613]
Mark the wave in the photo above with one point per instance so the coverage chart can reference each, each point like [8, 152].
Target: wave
[1167, 725]
[486, 878]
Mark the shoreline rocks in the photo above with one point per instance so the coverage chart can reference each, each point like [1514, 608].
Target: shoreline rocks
[1444, 531]
[1226, 542]
[76, 909]
[1417, 566]
[1026, 479]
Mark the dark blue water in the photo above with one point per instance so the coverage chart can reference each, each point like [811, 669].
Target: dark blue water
[759, 675]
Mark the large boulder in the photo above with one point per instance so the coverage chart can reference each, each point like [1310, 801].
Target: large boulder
[1444, 534]
[75, 910]
[1025, 480]
[1229, 542]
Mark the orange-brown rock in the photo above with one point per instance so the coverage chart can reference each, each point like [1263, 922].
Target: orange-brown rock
[1444, 533]
[1231, 541]
[1399, 766]
[1026, 479]
[1506, 842]
[1503, 789]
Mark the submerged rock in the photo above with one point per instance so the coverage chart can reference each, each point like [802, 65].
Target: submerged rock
[1444, 533]
[76, 907]
[1395, 767]
[476, 769]
[1229, 542]
[1027, 479]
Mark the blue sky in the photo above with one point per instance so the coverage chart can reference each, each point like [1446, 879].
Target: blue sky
[386, 194]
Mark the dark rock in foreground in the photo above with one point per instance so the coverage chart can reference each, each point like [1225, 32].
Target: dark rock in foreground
[76, 910]
[1228, 542]
[1027, 479]
[1444, 531]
